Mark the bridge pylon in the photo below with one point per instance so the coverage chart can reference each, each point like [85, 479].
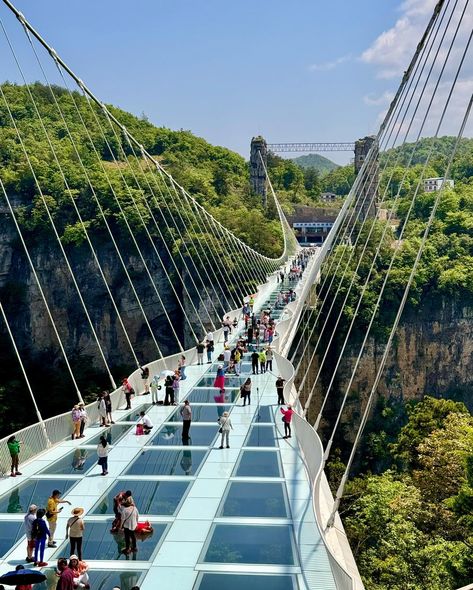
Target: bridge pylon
[366, 202]
[258, 162]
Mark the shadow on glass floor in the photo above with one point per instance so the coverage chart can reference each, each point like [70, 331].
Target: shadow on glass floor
[251, 544]
[212, 581]
[32, 491]
[112, 434]
[167, 462]
[151, 497]
[99, 543]
[99, 580]
[133, 416]
[264, 414]
[74, 463]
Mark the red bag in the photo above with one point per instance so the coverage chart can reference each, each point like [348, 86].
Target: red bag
[144, 527]
[139, 429]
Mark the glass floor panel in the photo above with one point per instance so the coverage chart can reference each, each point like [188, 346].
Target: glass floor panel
[159, 498]
[32, 491]
[202, 413]
[230, 381]
[206, 395]
[113, 434]
[258, 464]
[211, 581]
[264, 414]
[234, 543]
[171, 435]
[99, 580]
[12, 530]
[166, 462]
[100, 543]
[75, 463]
[259, 500]
[133, 416]
[261, 436]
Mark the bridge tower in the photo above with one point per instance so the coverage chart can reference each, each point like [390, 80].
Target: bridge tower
[257, 171]
[366, 202]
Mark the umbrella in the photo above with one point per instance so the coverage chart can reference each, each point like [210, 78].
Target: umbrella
[166, 373]
[21, 577]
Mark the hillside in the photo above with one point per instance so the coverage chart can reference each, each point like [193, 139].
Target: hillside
[316, 161]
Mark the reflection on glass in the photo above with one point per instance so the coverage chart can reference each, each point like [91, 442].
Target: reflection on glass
[100, 543]
[151, 497]
[131, 417]
[250, 544]
[261, 436]
[207, 395]
[230, 381]
[211, 581]
[112, 434]
[12, 530]
[32, 491]
[258, 464]
[201, 414]
[77, 462]
[258, 500]
[171, 435]
[99, 580]
[166, 462]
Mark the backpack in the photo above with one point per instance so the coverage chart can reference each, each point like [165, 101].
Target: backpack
[36, 529]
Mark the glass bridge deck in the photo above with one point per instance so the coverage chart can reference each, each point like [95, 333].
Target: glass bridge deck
[237, 517]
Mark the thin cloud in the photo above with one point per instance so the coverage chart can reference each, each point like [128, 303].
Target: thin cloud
[383, 99]
[330, 65]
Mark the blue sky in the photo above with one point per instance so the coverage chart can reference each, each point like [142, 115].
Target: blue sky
[301, 71]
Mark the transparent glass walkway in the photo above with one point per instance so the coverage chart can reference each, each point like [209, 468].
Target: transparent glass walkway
[233, 518]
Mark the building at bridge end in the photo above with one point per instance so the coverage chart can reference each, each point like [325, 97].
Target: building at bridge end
[258, 162]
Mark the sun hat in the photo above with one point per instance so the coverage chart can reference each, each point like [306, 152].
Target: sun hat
[77, 512]
[73, 557]
[32, 508]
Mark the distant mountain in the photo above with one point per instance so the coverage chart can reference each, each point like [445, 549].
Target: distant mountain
[315, 161]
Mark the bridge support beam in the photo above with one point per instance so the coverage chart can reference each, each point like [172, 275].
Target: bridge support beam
[366, 200]
[258, 152]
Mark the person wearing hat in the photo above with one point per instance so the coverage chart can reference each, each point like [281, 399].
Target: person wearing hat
[225, 427]
[30, 517]
[79, 569]
[75, 531]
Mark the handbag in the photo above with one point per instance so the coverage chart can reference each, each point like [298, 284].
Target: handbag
[139, 429]
[220, 430]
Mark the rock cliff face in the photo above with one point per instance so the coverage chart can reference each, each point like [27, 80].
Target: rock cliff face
[432, 354]
[27, 314]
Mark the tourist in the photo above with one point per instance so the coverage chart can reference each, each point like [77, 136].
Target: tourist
[254, 362]
[176, 386]
[225, 427]
[129, 522]
[154, 389]
[76, 420]
[146, 423]
[186, 413]
[52, 511]
[103, 448]
[30, 517]
[40, 533]
[169, 391]
[287, 417]
[128, 390]
[227, 355]
[237, 358]
[14, 448]
[83, 419]
[210, 349]
[66, 575]
[245, 392]
[145, 379]
[200, 353]
[269, 359]
[79, 569]
[181, 365]
[75, 531]
[102, 408]
[250, 334]
[220, 378]
[262, 361]
[18, 568]
[280, 389]
[108, 407]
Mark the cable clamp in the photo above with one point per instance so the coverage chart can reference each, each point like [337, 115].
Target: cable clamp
[53, 54]
[21, 18]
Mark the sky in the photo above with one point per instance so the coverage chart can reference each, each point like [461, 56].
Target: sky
[307, 70]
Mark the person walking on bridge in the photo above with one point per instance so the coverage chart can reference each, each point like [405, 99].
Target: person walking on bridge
[287, 417]
[254, 362]
[262, 361]
[186, 413]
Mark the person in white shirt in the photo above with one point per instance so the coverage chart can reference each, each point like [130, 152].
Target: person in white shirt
[129, 522]
[227, 355]
[147, 424]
